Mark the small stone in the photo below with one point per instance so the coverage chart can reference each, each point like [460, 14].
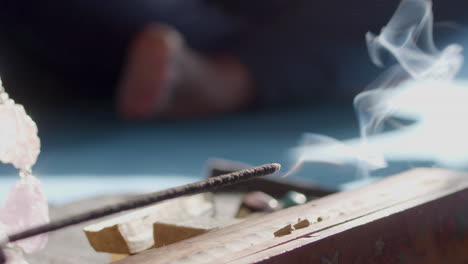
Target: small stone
[293, 198]
[260, 201]
[257, 202]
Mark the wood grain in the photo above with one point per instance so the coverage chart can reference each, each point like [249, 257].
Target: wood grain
[420, 216]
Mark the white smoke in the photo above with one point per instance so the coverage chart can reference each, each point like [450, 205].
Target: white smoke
[408, 37]
[420, 88]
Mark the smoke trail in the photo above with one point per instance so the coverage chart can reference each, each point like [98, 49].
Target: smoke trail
[408, 39]
[328, 154]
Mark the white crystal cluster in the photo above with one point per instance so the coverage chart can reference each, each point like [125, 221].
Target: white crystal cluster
[19, 143]
[26, 205]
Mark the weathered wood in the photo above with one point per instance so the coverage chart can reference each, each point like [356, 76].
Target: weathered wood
[132, 232]
[420, 216]
[167, 232]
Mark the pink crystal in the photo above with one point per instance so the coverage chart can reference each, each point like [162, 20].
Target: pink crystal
[25, 207]
[19, 143]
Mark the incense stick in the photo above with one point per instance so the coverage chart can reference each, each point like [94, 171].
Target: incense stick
[147, 199]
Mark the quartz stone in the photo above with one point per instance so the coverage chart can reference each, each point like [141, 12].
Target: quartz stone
[25, 207]
[19, 143]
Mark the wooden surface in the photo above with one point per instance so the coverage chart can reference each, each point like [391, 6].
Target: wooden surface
[132, 232]
[420, 216]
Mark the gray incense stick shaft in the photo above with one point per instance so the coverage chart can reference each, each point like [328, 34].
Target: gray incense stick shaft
[148, 199]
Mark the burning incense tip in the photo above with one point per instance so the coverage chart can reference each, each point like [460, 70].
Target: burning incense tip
[148, 199]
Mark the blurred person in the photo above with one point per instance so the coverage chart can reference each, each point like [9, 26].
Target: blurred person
[191, 58]
[163, 76]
